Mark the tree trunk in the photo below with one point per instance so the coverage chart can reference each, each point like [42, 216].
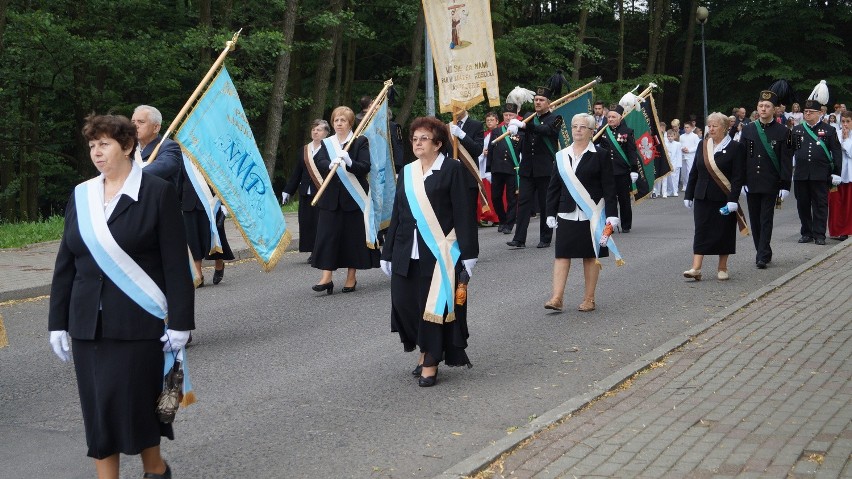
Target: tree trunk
[324, 67]
[338, 73]
[4, 5]
[205, 21]
[279, 89]
[657, 11]
[416, 70]
[298, 126]
[349, 77]
[687, 60]
[620, 40]
[581, 38]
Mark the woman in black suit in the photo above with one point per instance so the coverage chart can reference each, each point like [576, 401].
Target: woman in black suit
[117, 336]
[593, 169]
[707, 193]
[443, 202]
[341, 240]
[305, 179]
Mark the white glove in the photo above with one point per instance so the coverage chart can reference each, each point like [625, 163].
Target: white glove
[512, 129]
[336, 161]
[386, 267]
[614, 221]
[688, 204]
[634, 177]
[226, 212]
[745, 188]
[344, 155]
[517, 123]
[285, 197]
[59, 343]
[468, 265]
[835, 180]
[733, 207]
[783, 194]
[174, 340]
[456, 131]
[551, 222]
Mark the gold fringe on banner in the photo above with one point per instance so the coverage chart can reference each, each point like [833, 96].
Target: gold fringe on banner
[4, 339]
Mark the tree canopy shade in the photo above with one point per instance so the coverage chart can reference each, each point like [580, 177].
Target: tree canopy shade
[61, 60]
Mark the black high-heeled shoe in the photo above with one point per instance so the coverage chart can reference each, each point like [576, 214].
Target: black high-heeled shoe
[349, 289]
[327, 287]
[218, 274]
[428, 382]
[417, 371]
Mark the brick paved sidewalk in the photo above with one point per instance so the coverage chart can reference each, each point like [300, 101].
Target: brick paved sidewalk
[767, 392]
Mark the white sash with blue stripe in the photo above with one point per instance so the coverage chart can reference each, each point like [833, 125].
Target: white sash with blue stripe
[361, 197]
[211, 203]
[594, 211]
[445, 248]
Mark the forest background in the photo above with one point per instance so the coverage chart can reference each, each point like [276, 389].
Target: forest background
[296, 59]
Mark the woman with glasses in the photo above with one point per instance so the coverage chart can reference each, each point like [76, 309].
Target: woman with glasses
[431, 246]
[343, 239]
[581, 189]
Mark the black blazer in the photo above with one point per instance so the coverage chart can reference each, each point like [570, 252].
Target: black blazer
[168, 165]
[151, 231]
[300, 178]
[335, 195]
[473, 140]
[761, 174]
[811, 162]
[595, 173]
[499, 159]
[731, 160]
[619, 167]
[537, 158]
[450, 195]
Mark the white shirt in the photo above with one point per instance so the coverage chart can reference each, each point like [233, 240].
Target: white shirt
[577, 214]
[690, 142]
[415, 252]
[130, 188]
[675, 155]
[846, 169]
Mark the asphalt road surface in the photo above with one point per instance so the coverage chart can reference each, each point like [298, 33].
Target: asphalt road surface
[292, 383]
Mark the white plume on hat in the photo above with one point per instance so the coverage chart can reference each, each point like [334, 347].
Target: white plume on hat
[820, 93]
[630, 101]
[519, 96]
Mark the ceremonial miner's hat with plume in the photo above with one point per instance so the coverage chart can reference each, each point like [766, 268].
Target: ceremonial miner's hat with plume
[517, 97]
[818, 97]
[554, 86]
[780, 92]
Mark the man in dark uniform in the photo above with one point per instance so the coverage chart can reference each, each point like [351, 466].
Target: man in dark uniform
[502, 161]
[538, 148]
[818, 162]
[769, 171]
[397, 150]
[619, 141]
[470, 133]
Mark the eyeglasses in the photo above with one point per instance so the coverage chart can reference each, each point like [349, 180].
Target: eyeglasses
[419, 139]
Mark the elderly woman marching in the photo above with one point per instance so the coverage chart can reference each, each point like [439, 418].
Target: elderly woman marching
[580, 195]
[713, 190]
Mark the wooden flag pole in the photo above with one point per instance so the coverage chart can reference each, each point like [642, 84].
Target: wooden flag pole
[229, 47]
[642, 95]
[557, 103]
[371, 111]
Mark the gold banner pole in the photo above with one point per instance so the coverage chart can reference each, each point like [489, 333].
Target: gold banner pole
[229, 47]
[371, 111]
[557, 103]
[642, 95]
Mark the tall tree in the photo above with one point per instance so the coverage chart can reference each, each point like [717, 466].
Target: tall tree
[417, 39]
[326, 61]
[689, 40]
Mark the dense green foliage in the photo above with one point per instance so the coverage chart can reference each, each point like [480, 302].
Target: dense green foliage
[61, 60]
[16, 235]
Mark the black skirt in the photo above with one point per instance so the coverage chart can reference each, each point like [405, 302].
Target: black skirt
[441, 342]
[226, 253]
[715, 233]
[574, 240]
[341, 242]
[307, 223]
[119, 382]
[197, 228]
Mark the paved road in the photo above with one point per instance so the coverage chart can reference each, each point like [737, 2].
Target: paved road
[293, 384]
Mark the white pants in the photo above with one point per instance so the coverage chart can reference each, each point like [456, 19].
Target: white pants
[687, 167]
[671, 182]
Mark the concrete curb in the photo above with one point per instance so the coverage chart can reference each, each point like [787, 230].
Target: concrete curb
[482, 459]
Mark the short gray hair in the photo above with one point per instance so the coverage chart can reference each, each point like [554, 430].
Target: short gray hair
[322, 123]
[722, 118]
[154, 115]
[589, 119]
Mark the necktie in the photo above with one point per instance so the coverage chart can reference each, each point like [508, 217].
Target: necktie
[459, 123]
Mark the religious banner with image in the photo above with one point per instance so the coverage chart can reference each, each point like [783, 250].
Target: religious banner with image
[463, 51]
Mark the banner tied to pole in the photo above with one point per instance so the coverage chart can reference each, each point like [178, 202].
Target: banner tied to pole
[463, 51]
[217, 137]
[382, 172]
[649, 144]
[582, 104]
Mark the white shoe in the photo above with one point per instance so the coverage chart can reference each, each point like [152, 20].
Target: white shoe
[693, 274]
[665, 195]
[722, 275]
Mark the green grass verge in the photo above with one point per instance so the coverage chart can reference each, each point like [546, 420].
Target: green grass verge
[291, 207]
[15, 235]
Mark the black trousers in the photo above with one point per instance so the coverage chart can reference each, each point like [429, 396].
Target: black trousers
[622, 193]
[499, 183]
[761, 215]
[812, 203]
[533, 190]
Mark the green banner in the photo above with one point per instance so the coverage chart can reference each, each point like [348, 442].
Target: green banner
[582, 104]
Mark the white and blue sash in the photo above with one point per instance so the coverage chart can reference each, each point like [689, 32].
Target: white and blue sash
[117, 264]
[445, 248]
[211, 203]
[361, 197]
[594, 211]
